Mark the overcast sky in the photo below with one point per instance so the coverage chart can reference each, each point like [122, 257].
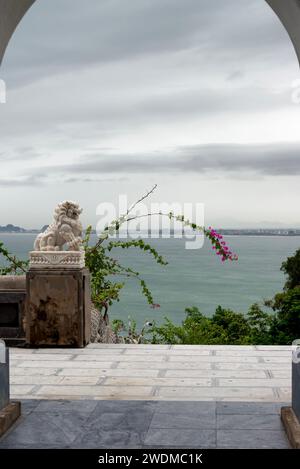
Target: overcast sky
[111, 96]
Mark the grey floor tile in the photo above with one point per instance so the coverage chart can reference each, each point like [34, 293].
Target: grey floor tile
[99, 438]
[85, 406]
[181, 420]
[249, 422]
[248, 408]
[138, 420]
[124, 405]
[252, 439]
[40, 429]
[181, 438]
[28, 406]
[194, 408]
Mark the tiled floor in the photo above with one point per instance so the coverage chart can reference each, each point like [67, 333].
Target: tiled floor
[153, 372]
[127, 396]
[147, 424]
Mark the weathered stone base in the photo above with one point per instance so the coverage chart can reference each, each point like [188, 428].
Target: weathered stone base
[9, 415]
[291, 425]
[58, 307]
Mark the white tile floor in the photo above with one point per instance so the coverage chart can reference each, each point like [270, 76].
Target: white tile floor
[153, 372]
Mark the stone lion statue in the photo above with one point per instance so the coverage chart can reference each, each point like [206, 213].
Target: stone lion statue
[66, 228]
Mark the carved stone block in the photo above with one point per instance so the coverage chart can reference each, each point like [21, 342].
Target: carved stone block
[58, 307]
[56, 259]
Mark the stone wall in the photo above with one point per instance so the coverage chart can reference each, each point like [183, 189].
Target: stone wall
[12, 308]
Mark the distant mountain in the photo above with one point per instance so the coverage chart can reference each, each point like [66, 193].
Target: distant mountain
[17, 229]
[238, 231]
[11, 229]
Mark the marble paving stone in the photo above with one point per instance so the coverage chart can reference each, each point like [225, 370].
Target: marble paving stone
[131, 406]
[95, 438]
[252, 439]
[78, 380]
[213, 347]
[77, 351]
[125, 358]
[181, 437]
[63, 406]
[49, 357]
[39, 428]
[65, 364]
[190, 408]
[285, 393]
[135, 381]
[128, 346]
[248, 408]
[214, 374]
[28, 406]
[219, 359]
[287, 373]
[273, 383]
[255, 353]
[277, 360]
[207, 420]
[117, 392]
[249, 422]
[165, 365]
[274, 347]
[20, 389]
[217, 393]
[14, 371]
[251, 366]
[189, 352]
[36, 380]
[108, 372]
[137, 419]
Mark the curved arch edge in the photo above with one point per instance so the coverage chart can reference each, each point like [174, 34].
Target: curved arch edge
[288, 11]
[11, 13]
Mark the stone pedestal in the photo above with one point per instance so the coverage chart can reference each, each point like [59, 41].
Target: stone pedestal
[291, 415]
[9, 411]
[296, 384]
[4, 376]
[58, 301]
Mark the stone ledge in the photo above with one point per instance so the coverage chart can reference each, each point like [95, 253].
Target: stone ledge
[9, 415]
[291, 425]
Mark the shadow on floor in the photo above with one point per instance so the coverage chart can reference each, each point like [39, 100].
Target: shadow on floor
[147, 424]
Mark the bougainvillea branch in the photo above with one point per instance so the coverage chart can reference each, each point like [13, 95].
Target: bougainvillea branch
[218, 243]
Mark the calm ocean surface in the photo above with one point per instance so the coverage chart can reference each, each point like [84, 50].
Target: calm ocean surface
[194, 277]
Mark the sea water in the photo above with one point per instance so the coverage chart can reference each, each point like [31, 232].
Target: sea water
[193, 277]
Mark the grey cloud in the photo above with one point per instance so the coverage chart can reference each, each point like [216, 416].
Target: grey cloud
[235, 75]
[35, 180]
[64, 34]
[20, 154]
[227, 159]
[93, 117]
[90, 179]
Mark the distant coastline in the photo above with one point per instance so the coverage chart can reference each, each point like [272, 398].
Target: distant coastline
[12, 229]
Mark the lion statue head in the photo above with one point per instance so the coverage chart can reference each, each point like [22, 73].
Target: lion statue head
[67, 209]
